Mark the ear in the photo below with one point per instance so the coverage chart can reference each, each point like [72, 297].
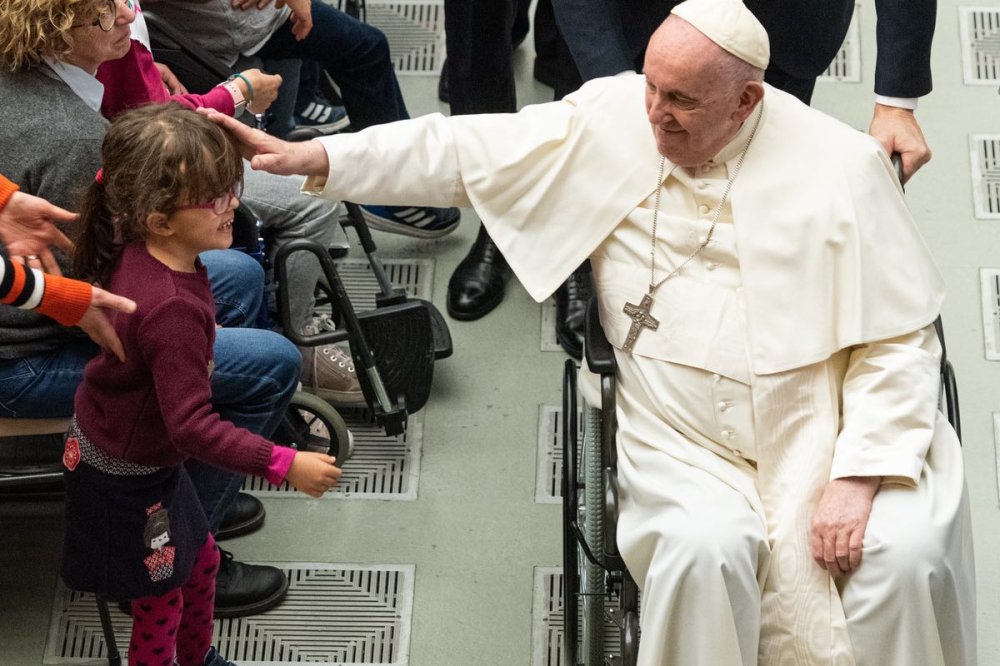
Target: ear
[158, 224]
[752, 93]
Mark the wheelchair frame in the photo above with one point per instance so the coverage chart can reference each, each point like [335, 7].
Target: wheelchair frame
[592, 566]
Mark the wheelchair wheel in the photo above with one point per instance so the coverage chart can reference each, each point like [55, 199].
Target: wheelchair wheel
[630, 639]
[591, 520]
[312, 424]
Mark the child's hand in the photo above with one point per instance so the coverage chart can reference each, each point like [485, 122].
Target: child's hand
[302, 21]
[313, 473]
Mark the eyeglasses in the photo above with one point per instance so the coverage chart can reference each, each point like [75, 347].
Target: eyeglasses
[220, 204]
[107, 15]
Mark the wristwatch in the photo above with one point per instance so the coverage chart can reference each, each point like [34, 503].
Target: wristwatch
[238, 98]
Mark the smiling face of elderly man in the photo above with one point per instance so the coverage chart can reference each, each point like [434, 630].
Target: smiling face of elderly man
[697, 94]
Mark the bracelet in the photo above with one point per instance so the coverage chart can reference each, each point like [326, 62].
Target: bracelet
[249, 86]
[239, 101]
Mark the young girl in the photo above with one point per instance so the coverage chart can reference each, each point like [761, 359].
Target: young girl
[134, 526]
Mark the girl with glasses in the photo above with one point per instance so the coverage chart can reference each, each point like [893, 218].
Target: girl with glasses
[135, 528]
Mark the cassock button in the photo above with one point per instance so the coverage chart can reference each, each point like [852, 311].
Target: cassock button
[738, 453]
[710, 266]
[703, 209]
[728, 434]
[707, 166]
[724, 405]
[702, 185]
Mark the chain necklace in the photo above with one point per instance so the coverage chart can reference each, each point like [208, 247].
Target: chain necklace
[639, 314]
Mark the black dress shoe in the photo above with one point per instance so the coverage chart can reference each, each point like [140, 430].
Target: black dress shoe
[244, 516]
[246, 589]
[477, 285]
[572, 297]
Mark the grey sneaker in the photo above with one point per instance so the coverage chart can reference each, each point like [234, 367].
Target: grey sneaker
[329, 373]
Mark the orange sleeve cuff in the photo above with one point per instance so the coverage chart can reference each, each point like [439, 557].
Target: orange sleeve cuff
[7, 189]
[65, 300]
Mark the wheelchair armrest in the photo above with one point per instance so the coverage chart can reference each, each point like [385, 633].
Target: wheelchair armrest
[600, 354]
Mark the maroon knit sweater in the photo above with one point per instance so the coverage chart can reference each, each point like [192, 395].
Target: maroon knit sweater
[156, 408]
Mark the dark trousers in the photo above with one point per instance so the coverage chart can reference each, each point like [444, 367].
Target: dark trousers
[356, 55]
[478, 39]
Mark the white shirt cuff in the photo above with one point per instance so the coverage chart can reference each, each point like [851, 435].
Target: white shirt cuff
[900, 102]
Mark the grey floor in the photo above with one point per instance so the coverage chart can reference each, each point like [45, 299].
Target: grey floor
[475, 533]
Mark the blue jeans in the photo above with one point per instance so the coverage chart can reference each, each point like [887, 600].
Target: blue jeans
[256, 373]
[355, 54]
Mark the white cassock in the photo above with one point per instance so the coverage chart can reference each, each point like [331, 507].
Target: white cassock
[795, 349]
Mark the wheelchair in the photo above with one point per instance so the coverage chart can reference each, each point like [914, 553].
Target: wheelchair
[593, 569]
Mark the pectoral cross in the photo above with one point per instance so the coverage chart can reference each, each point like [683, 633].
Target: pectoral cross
[639, 314]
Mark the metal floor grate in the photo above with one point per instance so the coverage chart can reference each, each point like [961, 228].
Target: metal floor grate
[547, 620]
[984, 150]
[414, 276]
[334, 614]
[384, 468]
[548, 469]
[415, 30]
[980, 35]
[990, 284]
[846, 65]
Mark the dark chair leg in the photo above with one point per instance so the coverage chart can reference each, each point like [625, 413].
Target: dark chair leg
[114, 657]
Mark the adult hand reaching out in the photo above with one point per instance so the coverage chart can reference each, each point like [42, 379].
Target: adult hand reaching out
[839, 524]
[302, 21]
[268, 153]
[27, 229]
[265, 89]
[170, 80]
[95, 324]
[898, 132]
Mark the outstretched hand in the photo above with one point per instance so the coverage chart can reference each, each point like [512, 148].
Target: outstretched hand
[898, 132]
[313, 473]
[268, 153]
[27, 229]
[95, 324]
[840, 521]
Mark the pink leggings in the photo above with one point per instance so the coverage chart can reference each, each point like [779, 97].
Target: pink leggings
[180, 621]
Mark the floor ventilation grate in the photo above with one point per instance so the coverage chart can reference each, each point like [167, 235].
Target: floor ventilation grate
[846, 65]
[415, 31]
[547, 620]
[383, 468]
[984, 150]
[334, 614]
[980, 35]
[414, 276]
[548, 470]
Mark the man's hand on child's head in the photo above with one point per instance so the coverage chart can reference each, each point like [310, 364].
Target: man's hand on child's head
[313, 473]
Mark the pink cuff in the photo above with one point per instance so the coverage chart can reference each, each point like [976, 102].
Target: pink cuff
[281, 460]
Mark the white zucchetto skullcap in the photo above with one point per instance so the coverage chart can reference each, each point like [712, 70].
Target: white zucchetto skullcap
[729, 24]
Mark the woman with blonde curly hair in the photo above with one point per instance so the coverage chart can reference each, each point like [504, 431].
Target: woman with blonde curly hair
[51, 130]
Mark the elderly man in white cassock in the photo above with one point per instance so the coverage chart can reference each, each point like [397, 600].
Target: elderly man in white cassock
[790, 492]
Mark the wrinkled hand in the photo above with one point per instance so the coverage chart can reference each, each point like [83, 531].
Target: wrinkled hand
[250, 4]
[839, 524]
[95, 324]
[27, 230]
[302, 21]
[313, 473]
[170, 80]
[268, 153]
[898, 132]
[265, 89]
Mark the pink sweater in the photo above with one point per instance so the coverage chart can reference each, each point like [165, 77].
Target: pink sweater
[133, 80]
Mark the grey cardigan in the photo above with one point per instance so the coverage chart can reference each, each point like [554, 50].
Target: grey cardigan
[50, 145]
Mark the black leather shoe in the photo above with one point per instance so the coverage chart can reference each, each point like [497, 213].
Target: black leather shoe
[477, 285]
[572, 297]
[244, 516]
[246, 589]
